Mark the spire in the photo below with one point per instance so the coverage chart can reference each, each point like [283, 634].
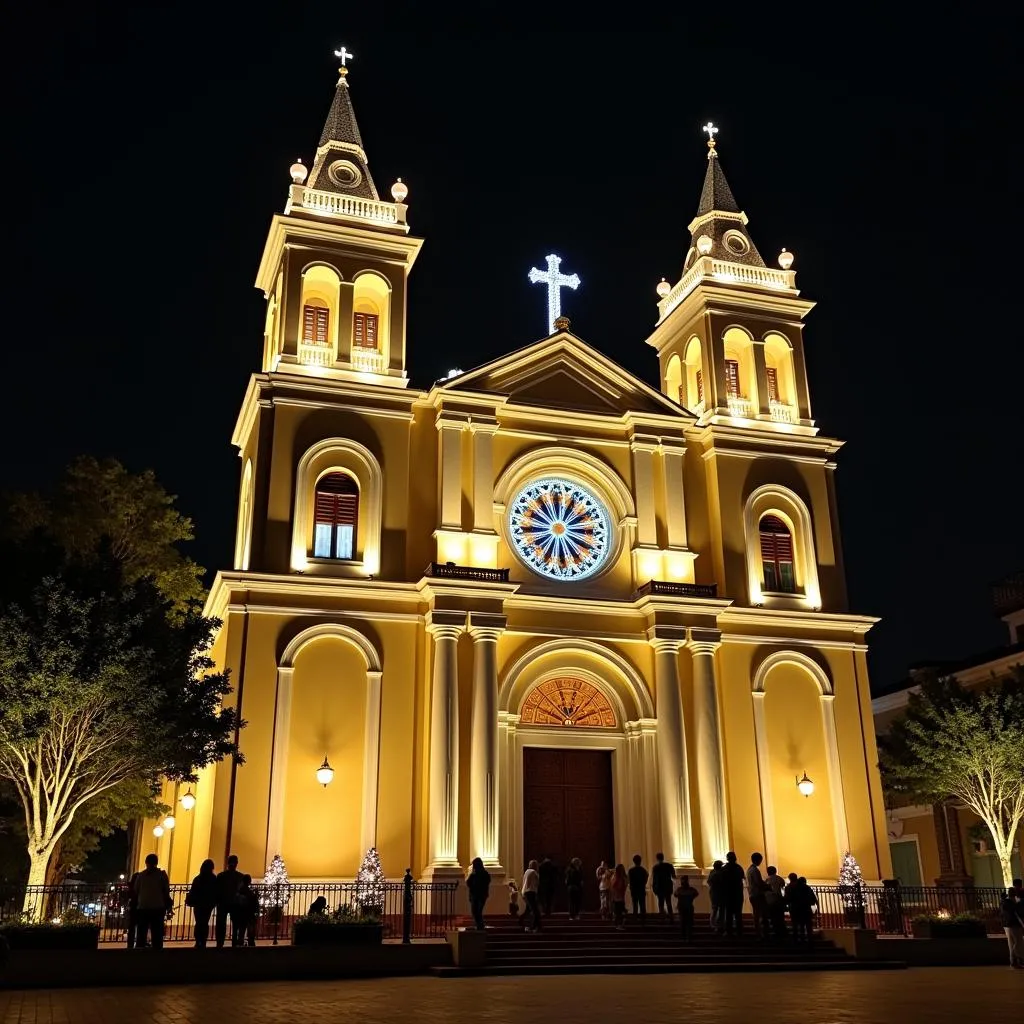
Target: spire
[719, 219]
[341, 165]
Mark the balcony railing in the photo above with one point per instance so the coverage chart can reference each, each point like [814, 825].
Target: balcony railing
[316, 354]
[741, 407]
[335, 205]
[726, 272]
[666, 588]
[451, 571]
[368, 360]
[781, 412]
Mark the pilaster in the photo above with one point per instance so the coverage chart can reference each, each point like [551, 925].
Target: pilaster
[484, 780]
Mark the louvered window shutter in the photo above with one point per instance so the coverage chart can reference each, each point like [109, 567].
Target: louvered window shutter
[314, 325]
[777, 554]
[700, 386]
[732, 378]
[773, 384]
[364, 333]
[336, 516]
[321, 325]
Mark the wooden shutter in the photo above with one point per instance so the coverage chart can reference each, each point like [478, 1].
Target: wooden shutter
[314, 325]
[700, 386]
[776, 540]
[337, 500]
[732, 378]
[773, 384]
[364, 333]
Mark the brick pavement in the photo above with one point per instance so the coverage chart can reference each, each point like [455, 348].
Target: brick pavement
[962, 995]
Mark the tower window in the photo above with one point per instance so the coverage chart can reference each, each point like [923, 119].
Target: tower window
[700, 387]
[364, 333]
[336, 517]
[773, 384]
[314, 325]
[777, 555]
[732, 378]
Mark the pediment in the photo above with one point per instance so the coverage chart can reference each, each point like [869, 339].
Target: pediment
[565, 373]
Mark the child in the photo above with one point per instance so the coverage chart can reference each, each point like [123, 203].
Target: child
[513, 899]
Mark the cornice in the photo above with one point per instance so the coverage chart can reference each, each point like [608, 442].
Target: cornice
[748, 618]
[753, 443]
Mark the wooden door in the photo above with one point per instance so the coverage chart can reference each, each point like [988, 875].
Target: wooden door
[567, 811]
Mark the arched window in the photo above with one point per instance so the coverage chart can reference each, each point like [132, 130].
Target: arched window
[336, 517]
[777, 555]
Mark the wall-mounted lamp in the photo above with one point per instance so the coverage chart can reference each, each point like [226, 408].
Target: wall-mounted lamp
[188, 801]
[805, 785]
[325, 773]
[169, 822]
[158, 830]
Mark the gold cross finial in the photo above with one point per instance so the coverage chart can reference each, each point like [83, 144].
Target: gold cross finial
[343, 55]
[712, 132]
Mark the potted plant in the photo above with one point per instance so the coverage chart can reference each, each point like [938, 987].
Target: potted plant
[345, 926]
[943, 925]
[72, 930]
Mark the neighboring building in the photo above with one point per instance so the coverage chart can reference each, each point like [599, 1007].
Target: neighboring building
[945, 844]
[539, 607]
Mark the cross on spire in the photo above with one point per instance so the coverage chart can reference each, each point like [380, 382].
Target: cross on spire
[556, 281]
[712, 132]
[343, 55]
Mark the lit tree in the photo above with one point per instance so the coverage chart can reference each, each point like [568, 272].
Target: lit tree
[104, 670]
[964, 744]
[276, 888]
[370, 883]
[849, 873]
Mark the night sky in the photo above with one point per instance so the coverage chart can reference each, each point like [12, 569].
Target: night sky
[151, 150]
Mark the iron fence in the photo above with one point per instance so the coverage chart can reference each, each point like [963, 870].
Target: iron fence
[890, 908]
[407, 909]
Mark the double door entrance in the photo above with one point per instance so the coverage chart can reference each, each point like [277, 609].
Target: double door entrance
[567, 812]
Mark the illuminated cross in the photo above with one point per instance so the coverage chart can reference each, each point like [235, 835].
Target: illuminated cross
[556, 281]
[343, 55]
[712, 132]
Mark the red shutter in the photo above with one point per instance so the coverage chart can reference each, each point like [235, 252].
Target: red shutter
[364, 333]
[321, 325]
[732, 378]
[314, 325]
[773, 384]
[700, 386]
[776, 540]
[337, 500]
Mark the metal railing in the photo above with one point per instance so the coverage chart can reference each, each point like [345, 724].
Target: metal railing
[890, 908]
[407, 909]
[669, 588]
[451, 571]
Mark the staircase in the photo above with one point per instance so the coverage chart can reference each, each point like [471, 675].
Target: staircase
[593, 946]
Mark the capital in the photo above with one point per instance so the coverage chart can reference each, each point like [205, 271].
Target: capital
[667, 638]
[486, 627]
[704, 641]
[443, 625]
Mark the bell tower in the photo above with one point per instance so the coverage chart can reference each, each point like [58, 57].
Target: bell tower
[729, 332]
[336, 263]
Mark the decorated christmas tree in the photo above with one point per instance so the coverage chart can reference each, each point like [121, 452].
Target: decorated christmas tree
[370, 883]
[276, 888]
[852, 881]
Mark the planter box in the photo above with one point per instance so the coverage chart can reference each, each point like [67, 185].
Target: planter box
[948, 929]
[75, 936]
[337, 934]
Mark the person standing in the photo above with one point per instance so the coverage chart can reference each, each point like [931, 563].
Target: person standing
[732, 895]
[685, 896]
[548, 871]
[152, 901]
[574, 887]
[1011, 915]
[244, 914]
[229, 881]
[531, 896]
[716, 893]
[479, 885]
[133, 912]
[604, 885]
[202, 898]
[638, 888]
[617, 888]
[775, 902]
[663, 882]
[756, 893]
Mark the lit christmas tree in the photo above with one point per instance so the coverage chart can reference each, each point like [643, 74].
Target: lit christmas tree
[276, 888]
[851, 881]
[370, 883]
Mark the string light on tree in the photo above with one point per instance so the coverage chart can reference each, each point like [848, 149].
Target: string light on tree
[556, 281]
[276, 888]
[370, 883]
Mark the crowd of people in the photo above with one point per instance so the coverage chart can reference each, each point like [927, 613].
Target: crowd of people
[771, 897]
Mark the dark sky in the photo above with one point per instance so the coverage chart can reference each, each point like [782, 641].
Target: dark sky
[152, 146]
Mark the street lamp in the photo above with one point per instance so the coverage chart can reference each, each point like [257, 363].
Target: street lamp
[325, 773]
[188, 801]
[805, 785]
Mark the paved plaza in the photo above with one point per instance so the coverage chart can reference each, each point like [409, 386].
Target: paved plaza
[962, 995]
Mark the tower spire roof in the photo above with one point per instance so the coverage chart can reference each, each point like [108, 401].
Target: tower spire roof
[341, 164]
[719, 229]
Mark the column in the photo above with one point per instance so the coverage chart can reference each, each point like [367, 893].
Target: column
[346, 302]
[763, 409]
[673, 775]
[835, 776]
[710, 767]
[443, 810]
[483, 758]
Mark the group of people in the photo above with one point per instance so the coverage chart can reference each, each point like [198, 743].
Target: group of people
[229, 892]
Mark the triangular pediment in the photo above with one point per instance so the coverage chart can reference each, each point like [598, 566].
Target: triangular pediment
[563, 372]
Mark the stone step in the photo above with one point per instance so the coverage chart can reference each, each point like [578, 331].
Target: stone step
[541, 967]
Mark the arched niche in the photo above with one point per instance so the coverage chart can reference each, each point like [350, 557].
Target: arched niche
[741, 386]
[371, 298]
[674, 385]
[243, 537]
[778, 359]
[320, 287]
[695, 377]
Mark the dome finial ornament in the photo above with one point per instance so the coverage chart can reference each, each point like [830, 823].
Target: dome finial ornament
[298, 171]
[785, 259]
[712, 132]
[663, 288]
[399, 191]
[344, 56]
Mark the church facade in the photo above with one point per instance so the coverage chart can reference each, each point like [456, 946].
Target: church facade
[541, 608]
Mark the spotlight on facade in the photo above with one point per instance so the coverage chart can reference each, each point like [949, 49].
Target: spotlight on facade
[325, 773]
[158, 830]
[805, 785]
[188, 801]
[169, 822]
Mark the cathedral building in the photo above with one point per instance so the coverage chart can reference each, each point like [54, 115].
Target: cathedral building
[540, 608]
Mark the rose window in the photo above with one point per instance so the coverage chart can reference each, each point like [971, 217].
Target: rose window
[559, 529]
